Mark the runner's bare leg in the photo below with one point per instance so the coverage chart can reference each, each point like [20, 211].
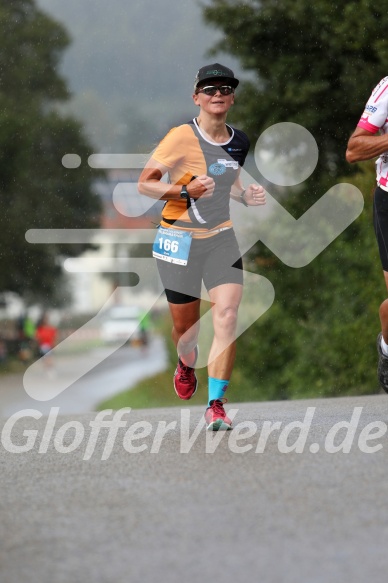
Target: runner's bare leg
[226, 299]
[185, 329]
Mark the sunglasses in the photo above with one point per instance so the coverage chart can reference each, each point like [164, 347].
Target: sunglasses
[212, 89]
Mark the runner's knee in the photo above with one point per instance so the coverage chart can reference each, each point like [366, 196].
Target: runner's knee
[384, 311]
[226, 318]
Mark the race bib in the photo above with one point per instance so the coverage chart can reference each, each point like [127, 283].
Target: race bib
[172, 245]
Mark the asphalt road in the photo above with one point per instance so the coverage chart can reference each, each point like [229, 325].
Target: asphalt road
[162, 508]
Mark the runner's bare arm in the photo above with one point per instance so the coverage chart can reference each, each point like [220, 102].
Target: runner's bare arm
[150, 184]
[364, 145]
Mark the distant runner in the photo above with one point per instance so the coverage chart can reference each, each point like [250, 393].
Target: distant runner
[46, 337]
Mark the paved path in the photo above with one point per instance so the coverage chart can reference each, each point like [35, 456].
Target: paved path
[114, 373]
[271, 517]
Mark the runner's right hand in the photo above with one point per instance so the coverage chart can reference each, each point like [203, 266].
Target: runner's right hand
[202, 187]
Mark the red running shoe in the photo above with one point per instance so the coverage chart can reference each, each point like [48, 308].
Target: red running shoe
[216, 417]
[185, 381]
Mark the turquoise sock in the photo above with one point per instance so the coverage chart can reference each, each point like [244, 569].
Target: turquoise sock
[217, 388]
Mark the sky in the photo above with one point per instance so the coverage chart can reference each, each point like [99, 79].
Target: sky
[131, 65]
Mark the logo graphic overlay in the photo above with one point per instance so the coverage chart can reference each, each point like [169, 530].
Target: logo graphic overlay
[286, 154]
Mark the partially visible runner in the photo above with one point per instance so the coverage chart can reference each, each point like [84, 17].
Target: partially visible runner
[195, 240]
[369, 140]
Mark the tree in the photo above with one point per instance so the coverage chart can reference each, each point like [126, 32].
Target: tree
[316, 64]
[36, 191]
[318, 338]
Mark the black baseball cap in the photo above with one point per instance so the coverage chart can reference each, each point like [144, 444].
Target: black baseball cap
[215, 71]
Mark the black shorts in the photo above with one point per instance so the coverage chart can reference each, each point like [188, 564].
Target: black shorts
[215, 261]
[380, 222]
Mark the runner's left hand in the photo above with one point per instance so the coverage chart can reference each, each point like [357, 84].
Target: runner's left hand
[254, 195]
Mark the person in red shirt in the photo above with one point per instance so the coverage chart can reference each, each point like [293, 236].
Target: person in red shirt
[46, 336]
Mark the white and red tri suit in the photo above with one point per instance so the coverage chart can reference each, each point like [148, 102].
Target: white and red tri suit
[375, 119]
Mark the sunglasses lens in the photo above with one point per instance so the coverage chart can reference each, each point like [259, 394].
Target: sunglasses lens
[212, 90]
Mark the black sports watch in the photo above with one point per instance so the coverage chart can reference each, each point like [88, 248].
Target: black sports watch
[184, 193]
[242, 198]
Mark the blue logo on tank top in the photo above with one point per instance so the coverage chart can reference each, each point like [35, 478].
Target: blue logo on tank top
[217, 169]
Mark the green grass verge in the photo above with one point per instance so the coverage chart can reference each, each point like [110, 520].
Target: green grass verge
[158, 391]
[13, 365]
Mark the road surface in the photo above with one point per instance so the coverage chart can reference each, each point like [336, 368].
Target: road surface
[160, 509]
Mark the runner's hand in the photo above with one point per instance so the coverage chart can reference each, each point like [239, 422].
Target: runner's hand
[254, 195]
[202, 187]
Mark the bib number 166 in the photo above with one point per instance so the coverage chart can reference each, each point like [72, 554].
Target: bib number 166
[172, 245]
[168, 245]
